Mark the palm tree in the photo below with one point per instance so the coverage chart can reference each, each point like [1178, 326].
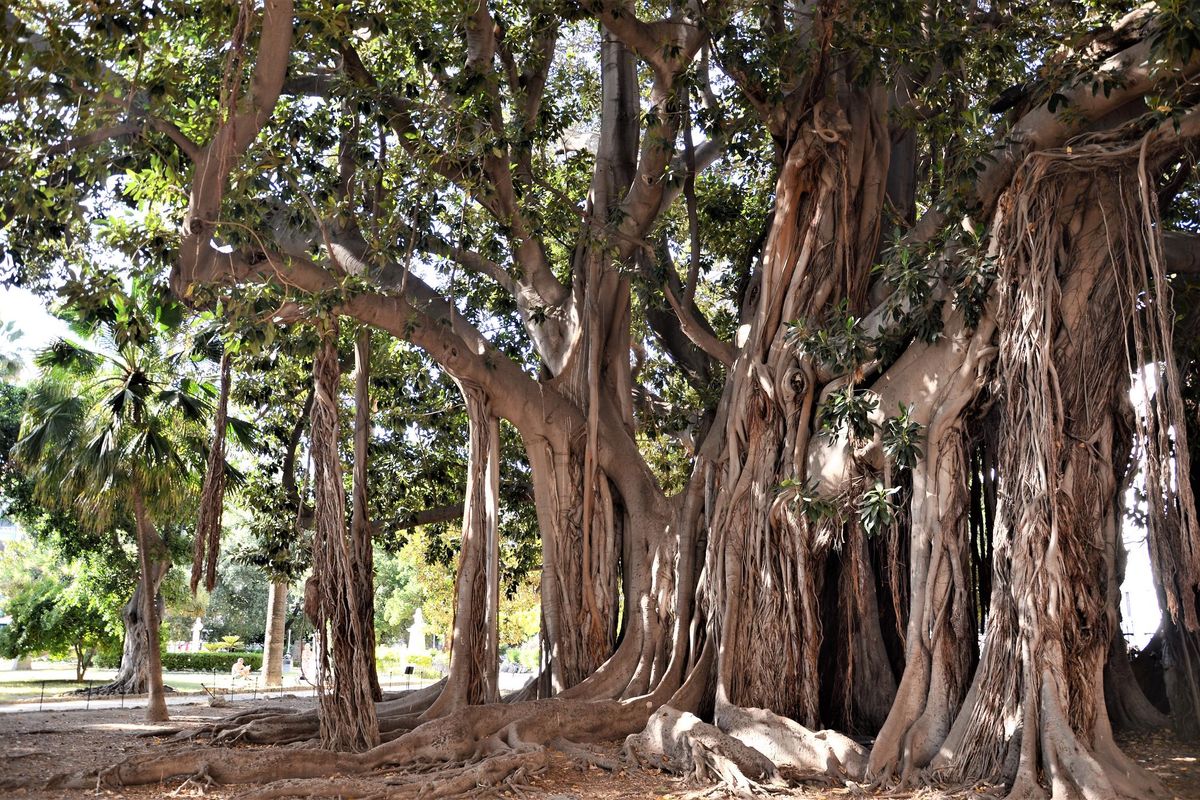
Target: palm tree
[114, 434]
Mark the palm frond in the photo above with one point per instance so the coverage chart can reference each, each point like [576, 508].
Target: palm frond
[191, 406]
[67, 355]
[243, 431]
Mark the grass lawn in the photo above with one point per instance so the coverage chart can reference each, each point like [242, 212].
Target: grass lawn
[25, 690]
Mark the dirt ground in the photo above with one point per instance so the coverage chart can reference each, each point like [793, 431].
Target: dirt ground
[36, 746]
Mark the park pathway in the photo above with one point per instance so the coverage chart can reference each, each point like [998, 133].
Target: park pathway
[236, 695]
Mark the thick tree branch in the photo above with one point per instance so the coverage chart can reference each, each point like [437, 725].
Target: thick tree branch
[481, 38]
[190, 149]
[502, 204]
[1182, 252]
[231, 140]
[1136, 73]
[400, 112]
[527, 248]
[691, 322]
[93, 138]
[698, 333]
[436, 245]
[666, 45]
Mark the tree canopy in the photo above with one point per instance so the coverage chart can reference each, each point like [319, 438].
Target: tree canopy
[800, 333]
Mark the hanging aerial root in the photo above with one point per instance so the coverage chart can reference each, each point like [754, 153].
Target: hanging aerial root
[346, 666]
[212, 495]
[1075, 238]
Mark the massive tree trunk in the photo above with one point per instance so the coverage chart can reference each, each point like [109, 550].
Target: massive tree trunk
[579, 510]
[768, 552]
[273, 641]
[1071, 248]
[133, 674]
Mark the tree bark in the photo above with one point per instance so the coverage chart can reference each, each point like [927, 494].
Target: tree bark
[347, 654]
[1181, 674]
[362, 551]
[767, 556]
[475, 643]
[273, 641]
[149, 558]
[1055, 563]
[134, 672]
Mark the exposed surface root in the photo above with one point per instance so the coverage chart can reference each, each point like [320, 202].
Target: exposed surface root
[680, 743]
[501, 743]
[504, 768]
[220, 766]
[509, 769]
[342, 788]
[789, 744]
[279, 725]
[584, 757]
[475, 732]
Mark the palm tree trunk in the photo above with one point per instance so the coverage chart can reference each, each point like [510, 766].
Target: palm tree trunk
[273, 643]
[148, 554]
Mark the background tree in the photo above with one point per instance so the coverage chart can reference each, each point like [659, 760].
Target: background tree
[113, 434]
[56, 608]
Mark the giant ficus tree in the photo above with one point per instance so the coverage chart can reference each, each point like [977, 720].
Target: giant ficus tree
[816, 321]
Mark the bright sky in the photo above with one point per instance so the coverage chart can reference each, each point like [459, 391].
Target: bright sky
[36, 325]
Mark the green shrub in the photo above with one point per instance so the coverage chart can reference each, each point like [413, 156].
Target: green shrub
[207, 662]
[108, 656]
[389, 659]
[527, 657]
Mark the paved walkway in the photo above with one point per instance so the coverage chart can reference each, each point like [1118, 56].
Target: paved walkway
[137, 701]
[273, 695]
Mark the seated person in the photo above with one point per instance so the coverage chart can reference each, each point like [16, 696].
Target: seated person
[240, 669]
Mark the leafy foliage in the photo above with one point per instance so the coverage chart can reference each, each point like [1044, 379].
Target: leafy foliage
[56, 608]
[207, 662]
